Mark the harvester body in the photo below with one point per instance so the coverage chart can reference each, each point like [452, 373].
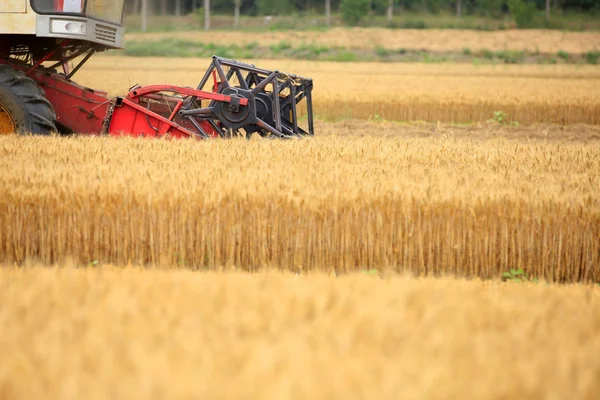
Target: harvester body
[43, 43]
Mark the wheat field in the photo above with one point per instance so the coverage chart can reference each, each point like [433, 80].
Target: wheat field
[363, 263]
[429, 206]
[117, 333]
[435, 40]
[527, 94]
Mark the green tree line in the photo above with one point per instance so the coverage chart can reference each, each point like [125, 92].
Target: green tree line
[525, 12]
[278, 7]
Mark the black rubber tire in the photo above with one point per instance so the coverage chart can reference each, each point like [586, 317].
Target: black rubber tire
[26, 103]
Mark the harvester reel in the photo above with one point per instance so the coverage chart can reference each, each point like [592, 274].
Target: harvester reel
[272, 101]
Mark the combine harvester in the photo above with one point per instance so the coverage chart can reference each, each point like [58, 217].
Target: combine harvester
[39, 39]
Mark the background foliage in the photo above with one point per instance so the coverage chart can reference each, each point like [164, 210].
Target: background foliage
[378, 7]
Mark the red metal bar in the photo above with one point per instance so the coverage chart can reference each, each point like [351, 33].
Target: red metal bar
[176, 110]
[131, 119]
[215, 81]
[151, 89]
[143, 125]
[47, 57]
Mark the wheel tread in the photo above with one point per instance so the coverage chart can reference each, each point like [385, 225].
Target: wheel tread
[41, 115]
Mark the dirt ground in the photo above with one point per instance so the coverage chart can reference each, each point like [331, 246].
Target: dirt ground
[485, 130]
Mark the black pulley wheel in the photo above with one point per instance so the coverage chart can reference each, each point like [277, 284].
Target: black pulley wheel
[236, 116]
[23, 107]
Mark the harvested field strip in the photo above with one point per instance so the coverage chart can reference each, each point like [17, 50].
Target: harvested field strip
[399, 92]
[486, 130]
[428, 206]
[533, 40]
[170, 47]
[456, 112]
[135, 333]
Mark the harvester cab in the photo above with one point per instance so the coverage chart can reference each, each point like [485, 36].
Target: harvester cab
[43, 43]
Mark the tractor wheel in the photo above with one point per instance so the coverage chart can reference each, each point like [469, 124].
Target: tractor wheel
[23, 107]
